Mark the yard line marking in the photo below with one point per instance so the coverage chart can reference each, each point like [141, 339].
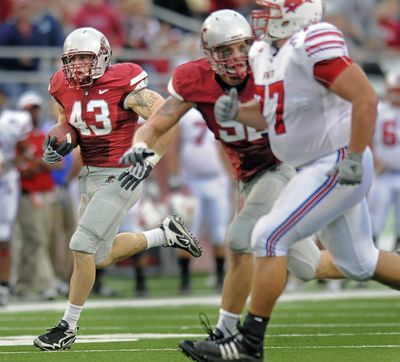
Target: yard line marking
[134, 337]
[176, 349]
[195, 300]
[101, 338]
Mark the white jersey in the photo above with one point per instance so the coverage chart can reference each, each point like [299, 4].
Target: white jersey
[199, 150]
[305, 120]
[15, 127]
[387, 136]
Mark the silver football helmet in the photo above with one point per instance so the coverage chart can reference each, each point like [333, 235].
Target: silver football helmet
[280, 19]
[85, 42]
[225, 27]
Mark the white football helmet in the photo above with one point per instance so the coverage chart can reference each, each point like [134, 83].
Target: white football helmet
[225, 27]
[392, 81]
[85, 41]
[281, 18]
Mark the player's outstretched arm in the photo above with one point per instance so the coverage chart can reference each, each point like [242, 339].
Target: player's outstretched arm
[228, 108]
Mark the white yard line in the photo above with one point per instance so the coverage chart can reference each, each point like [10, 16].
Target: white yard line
[194, 300]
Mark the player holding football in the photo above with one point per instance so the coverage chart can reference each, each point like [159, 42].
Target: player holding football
[103, 102]
[225, 39]
[321, 110]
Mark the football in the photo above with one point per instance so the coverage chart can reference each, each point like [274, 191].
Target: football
[65, 131]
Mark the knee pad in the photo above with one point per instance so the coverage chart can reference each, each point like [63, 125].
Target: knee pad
[239, 233]
[303, 259]
[83, 240]
[357, 272]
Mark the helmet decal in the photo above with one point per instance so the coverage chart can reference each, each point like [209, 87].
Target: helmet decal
[292, 5]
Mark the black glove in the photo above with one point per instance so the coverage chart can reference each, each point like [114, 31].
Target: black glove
[131, 178]
[53, 154]
[136, 155]
[350, 169]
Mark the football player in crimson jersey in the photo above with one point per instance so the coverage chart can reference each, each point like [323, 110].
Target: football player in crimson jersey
[320, 110]
[103, 102]
[225, 39]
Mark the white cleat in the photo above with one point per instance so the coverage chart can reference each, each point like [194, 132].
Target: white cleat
[178, 236]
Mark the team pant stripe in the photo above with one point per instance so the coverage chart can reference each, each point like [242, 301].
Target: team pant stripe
[305, 207]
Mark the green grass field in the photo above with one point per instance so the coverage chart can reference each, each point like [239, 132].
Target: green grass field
[345, 326]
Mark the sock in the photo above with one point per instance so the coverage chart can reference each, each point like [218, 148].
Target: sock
[98, 282]
[184, 266]
[227, 322]
[256, 325]
[72, 314]
[140, 279]
[154, 238]
[5, 284]
[219, 268]
[397, 243]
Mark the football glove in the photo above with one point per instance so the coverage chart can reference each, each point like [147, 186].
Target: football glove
[350, 169]
[226, 107]
[131, 178]
[52, 153]
[136, 155]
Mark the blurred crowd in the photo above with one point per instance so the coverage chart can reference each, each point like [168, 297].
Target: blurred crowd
[41, 262]
[372, 27]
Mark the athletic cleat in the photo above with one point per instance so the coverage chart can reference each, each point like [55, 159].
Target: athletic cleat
[234, 348]
[58, 337]
[213, 335]
[178, 236]
[189, 349]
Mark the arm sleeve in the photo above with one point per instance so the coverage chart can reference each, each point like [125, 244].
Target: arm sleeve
[326, 71]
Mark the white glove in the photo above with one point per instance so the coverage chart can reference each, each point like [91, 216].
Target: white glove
[226, 107]
[136, 154]
[350, 169]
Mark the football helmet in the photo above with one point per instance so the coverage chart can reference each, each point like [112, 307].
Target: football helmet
[280, 19]
[84, 42]
[392, 81]
[225, 27]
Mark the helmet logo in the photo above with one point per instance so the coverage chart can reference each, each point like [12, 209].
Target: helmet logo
[292, 5]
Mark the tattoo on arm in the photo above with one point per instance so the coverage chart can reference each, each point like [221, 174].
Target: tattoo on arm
[145, 101]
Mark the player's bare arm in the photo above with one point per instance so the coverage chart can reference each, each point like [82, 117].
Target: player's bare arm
[161, 122]
[250, 115]
[61, 113]
[145, 102]
[364, 102]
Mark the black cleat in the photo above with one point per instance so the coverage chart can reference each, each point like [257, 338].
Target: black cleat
[243, 346]
[230, 349]
[58, 338]
[213, 335]
[178, 236]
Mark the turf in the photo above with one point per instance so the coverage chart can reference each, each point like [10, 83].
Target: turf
[355, 329]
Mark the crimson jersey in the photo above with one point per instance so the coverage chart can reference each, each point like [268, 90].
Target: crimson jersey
[248, 151]
[98, 113]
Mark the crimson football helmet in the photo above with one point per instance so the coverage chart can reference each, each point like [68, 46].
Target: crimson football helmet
[280, 19]
[225, 27]
[85, 42]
